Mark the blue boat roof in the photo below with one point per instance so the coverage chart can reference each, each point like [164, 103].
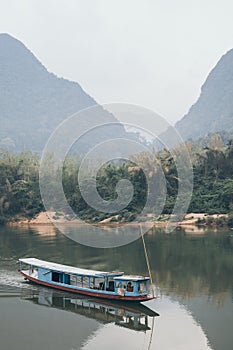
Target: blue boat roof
[68, 269]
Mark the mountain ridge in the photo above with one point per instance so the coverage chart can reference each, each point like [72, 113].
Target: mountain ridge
[213, 110]
[33, 101]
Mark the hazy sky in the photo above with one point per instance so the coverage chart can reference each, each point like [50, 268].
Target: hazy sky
[154, 53]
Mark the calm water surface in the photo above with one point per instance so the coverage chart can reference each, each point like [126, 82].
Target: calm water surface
[194, 273]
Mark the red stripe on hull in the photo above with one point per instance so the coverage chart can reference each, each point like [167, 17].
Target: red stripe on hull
[92, 294]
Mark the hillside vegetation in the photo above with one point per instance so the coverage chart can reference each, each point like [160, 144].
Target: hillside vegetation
[212, 193]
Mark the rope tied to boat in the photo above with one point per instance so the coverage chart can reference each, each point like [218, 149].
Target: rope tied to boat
[147, 260]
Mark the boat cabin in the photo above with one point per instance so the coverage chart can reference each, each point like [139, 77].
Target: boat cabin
[131, 285]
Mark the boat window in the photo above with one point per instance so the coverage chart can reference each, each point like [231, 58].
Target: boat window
[110, 285]
[121, 291]
[73, 280]
[142, 287]
[79, 281]
[30, 269]
[99, 283]
[85, 281]
[92, 283]
[129, 287]
[66, 279]
[34, 272]
[56, 277]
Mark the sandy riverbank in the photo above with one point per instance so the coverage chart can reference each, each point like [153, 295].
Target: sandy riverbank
[44, 218]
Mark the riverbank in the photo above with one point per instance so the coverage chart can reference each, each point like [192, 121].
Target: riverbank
[189, 220]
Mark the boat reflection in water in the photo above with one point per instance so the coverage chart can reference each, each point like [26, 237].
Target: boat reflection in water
[133, 316]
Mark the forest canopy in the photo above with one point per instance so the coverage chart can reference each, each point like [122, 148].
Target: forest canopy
[212, 191]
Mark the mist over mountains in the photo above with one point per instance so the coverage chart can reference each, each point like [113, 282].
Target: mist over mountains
[213, 111]
[33, 102]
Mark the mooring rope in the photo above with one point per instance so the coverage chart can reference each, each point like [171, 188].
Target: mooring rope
[151, 333]
[147, 261]
[151, 282]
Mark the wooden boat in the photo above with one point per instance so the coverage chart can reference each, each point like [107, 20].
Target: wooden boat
[98, 284]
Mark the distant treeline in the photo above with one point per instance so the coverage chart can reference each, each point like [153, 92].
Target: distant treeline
[212, 192]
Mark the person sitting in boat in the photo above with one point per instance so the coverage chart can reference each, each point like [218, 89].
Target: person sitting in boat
[129, 287]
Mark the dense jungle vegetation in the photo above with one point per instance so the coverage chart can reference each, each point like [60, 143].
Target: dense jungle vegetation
[212, 192]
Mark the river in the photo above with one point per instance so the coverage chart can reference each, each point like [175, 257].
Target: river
[193, 273]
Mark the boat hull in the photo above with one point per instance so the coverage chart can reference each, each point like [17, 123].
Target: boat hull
[88, 293]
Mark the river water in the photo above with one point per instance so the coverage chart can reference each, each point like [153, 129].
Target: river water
[193, 273]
